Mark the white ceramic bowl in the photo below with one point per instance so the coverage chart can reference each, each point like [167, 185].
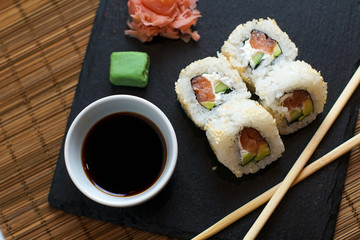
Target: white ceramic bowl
[92, 114]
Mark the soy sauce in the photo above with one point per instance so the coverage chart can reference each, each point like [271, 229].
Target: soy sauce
[124, 154]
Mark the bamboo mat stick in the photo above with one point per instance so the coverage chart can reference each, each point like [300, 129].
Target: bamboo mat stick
[304, 157]
[263, 198]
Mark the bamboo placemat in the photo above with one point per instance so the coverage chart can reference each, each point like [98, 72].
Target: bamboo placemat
[42, 46]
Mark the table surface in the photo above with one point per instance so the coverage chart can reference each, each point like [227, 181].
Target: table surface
[42, 46]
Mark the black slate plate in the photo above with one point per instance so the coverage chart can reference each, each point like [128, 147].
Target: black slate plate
[327, 34]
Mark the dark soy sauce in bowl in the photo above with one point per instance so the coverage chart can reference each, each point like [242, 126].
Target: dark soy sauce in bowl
[124, 154]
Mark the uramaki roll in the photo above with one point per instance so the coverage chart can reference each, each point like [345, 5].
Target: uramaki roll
[244, 137]
[206, 84]
[255, 47]
[294, 93]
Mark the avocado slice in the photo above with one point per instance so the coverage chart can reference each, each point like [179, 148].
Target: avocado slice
[263, 151]
[247, 157]
[256, 58]
[208, 105]
[307, 107]
[301, 117]
[276, 51]
[220, 87]
[294, 115]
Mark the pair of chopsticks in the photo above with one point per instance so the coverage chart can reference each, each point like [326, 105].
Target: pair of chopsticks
[296, 174]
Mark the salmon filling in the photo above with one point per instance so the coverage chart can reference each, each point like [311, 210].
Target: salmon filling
[265, 48]
[261, 41]
[205, 91]
[252, 146]
[299, 105]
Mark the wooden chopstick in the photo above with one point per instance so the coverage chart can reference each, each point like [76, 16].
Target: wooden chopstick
[304, 157]
[263, 198]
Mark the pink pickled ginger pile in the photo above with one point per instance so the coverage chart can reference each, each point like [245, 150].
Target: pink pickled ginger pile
[168, 18]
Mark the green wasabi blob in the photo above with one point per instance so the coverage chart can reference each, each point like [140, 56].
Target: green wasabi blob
[129, 69]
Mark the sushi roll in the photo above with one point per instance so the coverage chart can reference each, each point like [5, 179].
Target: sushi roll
[294, 93]
[206, 84]
[244, 137]
[255, 47]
